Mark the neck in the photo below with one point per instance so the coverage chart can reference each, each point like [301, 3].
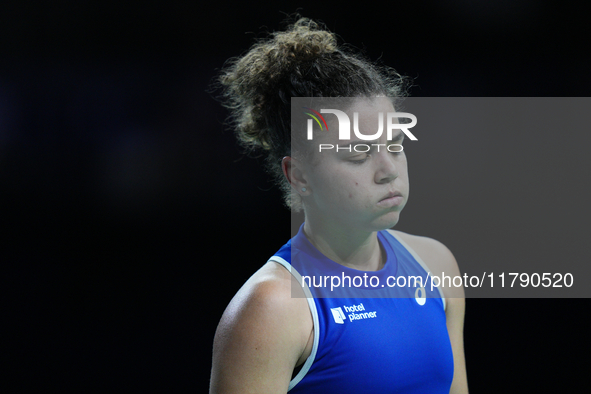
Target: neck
[354, 249]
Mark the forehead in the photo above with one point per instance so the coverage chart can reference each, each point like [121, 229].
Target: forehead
[364, 112]
[320, 120]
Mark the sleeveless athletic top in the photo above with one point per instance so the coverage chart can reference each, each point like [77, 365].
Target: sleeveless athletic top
[372, 336]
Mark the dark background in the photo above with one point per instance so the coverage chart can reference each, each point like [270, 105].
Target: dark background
[132, 217]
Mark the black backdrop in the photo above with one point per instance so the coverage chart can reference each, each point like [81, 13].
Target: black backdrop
[133, 218]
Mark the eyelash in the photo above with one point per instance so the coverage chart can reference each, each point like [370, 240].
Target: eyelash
[360, 161]
[368, 155]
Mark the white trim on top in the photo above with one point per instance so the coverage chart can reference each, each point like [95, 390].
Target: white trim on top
[419, 260]
[310, 360]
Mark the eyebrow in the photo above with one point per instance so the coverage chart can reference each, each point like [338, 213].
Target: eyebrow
[394, 138]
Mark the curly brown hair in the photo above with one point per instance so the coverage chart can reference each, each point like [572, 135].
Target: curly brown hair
[302, 61]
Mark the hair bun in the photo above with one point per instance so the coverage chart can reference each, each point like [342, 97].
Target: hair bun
[304, 41]
[252, 81]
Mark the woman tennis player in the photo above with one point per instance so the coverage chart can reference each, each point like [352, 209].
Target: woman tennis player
[369, 338]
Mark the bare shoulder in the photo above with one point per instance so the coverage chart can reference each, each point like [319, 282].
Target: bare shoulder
[268, 288]
[267, 292]
[262, 335]
[436, 256]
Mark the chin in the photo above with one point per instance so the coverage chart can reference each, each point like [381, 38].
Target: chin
[387, 221]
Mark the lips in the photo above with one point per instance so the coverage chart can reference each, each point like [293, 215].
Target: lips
[391, 199]
[391, 195]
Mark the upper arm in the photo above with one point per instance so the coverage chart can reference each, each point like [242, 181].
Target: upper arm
[258, 340]
[441, 262]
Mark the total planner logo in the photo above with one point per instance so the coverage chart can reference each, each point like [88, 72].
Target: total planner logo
[345, 128]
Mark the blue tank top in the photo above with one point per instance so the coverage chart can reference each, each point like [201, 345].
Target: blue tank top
[371, 336]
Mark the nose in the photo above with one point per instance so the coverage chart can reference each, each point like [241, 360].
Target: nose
[386, 170]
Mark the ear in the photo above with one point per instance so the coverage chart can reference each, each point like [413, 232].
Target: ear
[293, 171]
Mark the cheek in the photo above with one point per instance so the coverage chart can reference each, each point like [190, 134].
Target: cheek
[338, 185]
[343, 191]
[351, 194]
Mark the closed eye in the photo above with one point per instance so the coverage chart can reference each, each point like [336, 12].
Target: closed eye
[395, 148]
[360, 161]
